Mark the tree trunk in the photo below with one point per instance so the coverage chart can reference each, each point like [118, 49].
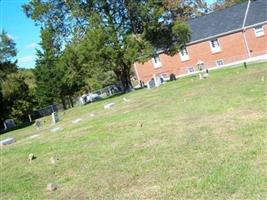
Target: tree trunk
[71, 102]
[63, 102]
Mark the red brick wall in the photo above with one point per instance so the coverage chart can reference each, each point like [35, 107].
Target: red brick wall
[257, 45]
[232, 46]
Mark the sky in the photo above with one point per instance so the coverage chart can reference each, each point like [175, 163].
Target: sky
[22, 30]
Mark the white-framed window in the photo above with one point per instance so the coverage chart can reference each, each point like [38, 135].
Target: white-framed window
[215, 46]
[184, 54]
[259, 31]
[219, 63]
[190, 70]
[156, 61]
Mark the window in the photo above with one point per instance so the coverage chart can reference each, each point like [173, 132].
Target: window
[215, 46]
[190, 70]
[156, 61]
[259, 31]
[219, 63]
[184, 54]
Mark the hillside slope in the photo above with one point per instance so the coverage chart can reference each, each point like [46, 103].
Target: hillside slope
[188, 139]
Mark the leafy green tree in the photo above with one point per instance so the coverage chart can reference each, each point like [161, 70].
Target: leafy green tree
[17, 96]
[7, 66]
[7, 53]
[222, 4]
[47, 75]
[121, 31]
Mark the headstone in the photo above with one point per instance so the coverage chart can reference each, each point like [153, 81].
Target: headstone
[55, 129]
[31, 157]
[76, 121]
[157, 80]
[125, 100]
[140, 124]
[51, 187]
[33, 136]
[172, 77]
[37, 124]
[7, 141]
[109, 106]
[151, 84]
[55, 117]
[53, 160]
[9, 123]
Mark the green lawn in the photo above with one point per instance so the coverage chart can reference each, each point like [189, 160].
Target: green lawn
[199, 139]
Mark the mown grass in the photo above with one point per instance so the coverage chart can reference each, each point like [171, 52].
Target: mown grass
[198, 139]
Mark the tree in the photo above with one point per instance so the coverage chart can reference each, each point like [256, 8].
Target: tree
[7, 53]
[126, 30]
[16, 102]
[48, 77]
[7, 66]
[222, 4]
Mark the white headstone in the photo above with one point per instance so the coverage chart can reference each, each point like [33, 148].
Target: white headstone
[125, 99]
[157, 80]
[55, 129]
[7, 141]
[33, 136]
[55, 117]
[76, 121]
[109, 106]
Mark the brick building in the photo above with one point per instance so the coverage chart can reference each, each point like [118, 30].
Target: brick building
[218, 39]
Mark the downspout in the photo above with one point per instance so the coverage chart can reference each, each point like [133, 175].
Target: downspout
[244, 30]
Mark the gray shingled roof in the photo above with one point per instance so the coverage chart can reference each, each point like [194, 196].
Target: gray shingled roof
[257, 12]
[226, 20]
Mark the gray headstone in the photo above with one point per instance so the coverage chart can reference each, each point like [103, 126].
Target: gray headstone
[9, 123]
[151, 84]
[7, 141]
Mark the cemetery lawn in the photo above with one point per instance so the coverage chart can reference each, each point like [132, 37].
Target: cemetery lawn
[188, 139]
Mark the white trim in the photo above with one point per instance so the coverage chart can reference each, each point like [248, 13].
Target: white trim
[216, 48]
[184, 57]
[246, 14]
[156, 62]
[217, 61]
[259, 31]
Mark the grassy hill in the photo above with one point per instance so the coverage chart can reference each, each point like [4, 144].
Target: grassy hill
[188, 139]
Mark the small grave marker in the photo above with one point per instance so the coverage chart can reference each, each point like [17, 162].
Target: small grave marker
[51, 187]
[76, 121]
[125, 99]
[7, 141]
[109, 106]
[55, 129]
[37, 124]
[34, 136]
